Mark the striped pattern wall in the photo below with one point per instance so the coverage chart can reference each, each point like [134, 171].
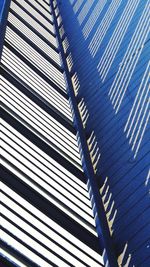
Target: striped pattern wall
[46, 211]
[110, 46]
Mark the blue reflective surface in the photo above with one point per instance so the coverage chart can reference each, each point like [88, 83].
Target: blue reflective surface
[2, 2]
[110, 46]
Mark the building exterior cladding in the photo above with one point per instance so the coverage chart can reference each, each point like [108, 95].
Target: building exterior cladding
[46, 211]
[109, 49]
[75, 133]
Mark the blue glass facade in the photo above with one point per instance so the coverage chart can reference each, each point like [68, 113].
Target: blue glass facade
[109, 46]
[1, 8]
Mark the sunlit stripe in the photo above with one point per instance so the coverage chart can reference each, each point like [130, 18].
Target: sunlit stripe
[40, 178]
[41, 192]
[35, 119]
[117, 102]
[103, 27]
[35, 58]
[23, 250]
[146, 108]
[34, 24]
[140, 111]
[70, 136]
[32, 122]
[43, 228]
[116, 39]
[84, 113]
[46, 6]
[47, 1]
[41, 8]
[57, 11]
[57, 105]
[46, 166]
[31, 243]
[143, 131]
[93, 18]
[52, 179]
[65, 44]
[58, 250]
[48, 225]
[136, 124]
[147, 180]
[31, 78]
[138, 99]
[69, 60]
[11, 258]
[41, 113]
[37, 15]
[26, 120]
[75, 83]
[84, 11]
[59, 20]
[39, 237]
[20, 73]
[34, 38]
[7, 53]
[54, 3]
[61, 31]
[46, 160]
[72, 1]
[126, 69]
[49, 169]
[77, 5]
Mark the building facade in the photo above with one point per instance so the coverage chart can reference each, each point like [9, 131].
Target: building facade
[109, 46]
[75, 133]
[46, 212]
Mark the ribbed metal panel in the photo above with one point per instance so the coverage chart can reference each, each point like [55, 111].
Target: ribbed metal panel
[46, 210]
[110, 48]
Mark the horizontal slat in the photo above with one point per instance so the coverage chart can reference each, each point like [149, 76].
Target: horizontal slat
[37, 15]
[46, 231]
[56, 167]
[49, 228]
[56, 130]
[29, 121]
[49, 168]
[40, 186]
[45, 5]
[22, 249]
[49, 37]
[35, 58]
[34, 38]
[34, 81]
